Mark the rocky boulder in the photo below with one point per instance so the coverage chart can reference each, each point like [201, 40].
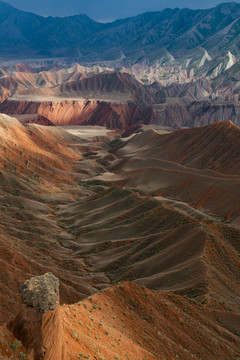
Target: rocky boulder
[41, 292]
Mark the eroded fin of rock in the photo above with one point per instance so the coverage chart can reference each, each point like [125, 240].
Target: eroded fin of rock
[39, 324]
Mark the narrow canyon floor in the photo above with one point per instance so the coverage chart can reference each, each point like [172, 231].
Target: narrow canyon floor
[142, 232]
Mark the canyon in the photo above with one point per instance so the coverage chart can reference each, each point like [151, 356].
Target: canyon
[120, 186]
[141, 232]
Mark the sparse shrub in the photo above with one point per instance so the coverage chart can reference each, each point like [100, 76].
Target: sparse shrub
[23, 356]
[16, 344]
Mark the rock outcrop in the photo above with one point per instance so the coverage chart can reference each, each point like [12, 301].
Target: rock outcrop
[41, 292]
[38, 324]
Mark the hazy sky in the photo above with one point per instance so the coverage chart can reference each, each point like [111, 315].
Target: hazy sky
[107, 10]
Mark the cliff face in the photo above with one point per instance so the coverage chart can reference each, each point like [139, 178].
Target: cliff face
[81, 112]
[204, 113]
[171, 115]
[198, 113]
[121, 116]
[15, 107]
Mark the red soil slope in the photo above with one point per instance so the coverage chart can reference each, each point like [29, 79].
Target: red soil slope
[95, 215]
[129, 322]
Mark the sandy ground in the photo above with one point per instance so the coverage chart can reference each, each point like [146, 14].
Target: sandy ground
[113, 99]
[85, 132]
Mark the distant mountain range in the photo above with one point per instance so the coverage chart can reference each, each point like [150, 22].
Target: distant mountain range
[174, 68]
[168, 35]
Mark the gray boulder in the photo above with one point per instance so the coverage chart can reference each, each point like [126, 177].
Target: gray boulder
[41, 292]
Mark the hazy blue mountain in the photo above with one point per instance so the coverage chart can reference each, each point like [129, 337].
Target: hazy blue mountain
[23, 33]
[178, 31]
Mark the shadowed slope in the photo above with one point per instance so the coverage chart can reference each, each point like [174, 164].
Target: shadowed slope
[199, 167]
[214, 147]
[136, 238]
